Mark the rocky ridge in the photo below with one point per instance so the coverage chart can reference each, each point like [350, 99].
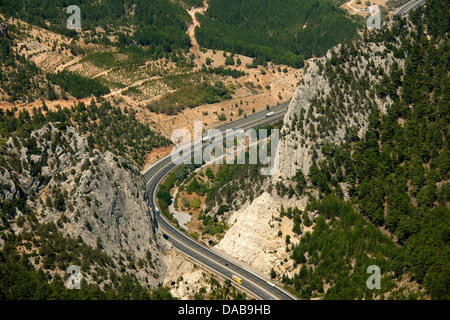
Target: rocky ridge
[334, 102]
[96, 196]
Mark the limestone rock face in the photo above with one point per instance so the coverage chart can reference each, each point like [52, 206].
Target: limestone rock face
[118, 212]
[254, 236]
[102, 195]
[333, 101]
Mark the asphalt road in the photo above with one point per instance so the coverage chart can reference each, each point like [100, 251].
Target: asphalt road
[245, 122]
[412, 5]
[252, 121]
[252, 283]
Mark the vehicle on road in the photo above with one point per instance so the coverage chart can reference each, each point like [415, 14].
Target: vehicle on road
[181, 242]
[237, 279]
[270, 114]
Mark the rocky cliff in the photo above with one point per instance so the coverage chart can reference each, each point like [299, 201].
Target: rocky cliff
[96, 196]
[258, 234]
[334, 101]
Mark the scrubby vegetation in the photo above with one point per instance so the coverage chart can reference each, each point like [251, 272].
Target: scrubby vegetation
[226, 189]
[106, 127]
[174, 178]
[19, 280]
[21, 79]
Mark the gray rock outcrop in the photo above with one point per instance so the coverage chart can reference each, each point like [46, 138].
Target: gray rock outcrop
[333, 101]
[102, 195]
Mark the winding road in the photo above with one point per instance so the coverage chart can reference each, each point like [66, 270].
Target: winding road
[405, 9]
[252, 283]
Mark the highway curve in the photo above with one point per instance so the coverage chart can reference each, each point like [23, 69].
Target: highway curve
[252, 283]
[412, 5]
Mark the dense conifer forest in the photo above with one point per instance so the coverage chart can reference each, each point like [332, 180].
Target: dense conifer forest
[284, 32]
[397, 175]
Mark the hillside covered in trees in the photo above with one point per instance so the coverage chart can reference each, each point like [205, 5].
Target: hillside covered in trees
[52, 216]
[380, 198]
[159, 24]
[284, 32]
[106, 128]
[396, 176]
[22, 81]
